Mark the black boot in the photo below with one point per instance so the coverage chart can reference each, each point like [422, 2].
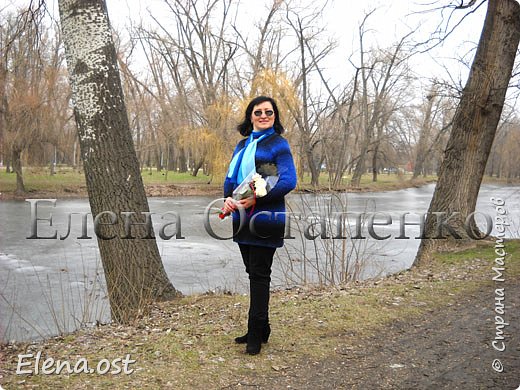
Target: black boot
[266, 331]
[254, 340]
[241, 339]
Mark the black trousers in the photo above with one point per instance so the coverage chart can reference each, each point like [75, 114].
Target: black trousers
[258, 261]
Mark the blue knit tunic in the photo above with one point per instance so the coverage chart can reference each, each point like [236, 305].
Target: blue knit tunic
[269, 228]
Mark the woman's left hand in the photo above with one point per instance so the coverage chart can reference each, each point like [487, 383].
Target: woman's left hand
[247, 202]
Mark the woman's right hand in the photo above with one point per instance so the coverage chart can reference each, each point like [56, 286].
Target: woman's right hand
[230, 205]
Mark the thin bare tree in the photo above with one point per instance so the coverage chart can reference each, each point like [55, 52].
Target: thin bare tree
[377, 79]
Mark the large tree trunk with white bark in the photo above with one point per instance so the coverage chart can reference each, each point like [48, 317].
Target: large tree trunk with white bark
[133, 268]
[474, 126]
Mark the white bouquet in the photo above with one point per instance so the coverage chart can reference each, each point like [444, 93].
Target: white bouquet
[254, 185]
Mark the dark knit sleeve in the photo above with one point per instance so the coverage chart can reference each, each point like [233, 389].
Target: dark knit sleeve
[228, 188]
[286, 171]
[228, 185]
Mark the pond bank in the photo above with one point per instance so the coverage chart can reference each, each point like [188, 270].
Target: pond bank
[71, 191]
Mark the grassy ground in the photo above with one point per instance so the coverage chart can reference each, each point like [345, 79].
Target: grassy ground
[188, 343]
[38, 179]
[71, 183]
[384, 182]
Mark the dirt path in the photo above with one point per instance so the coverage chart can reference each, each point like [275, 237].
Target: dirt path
[447, 349]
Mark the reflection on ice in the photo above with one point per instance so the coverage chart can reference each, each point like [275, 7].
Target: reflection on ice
[35, 268]
[12, 262]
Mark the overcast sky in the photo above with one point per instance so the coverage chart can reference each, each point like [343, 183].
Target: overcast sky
[390, 21]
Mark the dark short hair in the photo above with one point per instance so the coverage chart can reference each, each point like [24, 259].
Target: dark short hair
[246, 127]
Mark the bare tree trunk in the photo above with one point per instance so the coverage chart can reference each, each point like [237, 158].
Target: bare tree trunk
[183, 163]
[359, 169]
[422, 148]
[16, 160]
[314, 170]
[54, 162]
[3, 112]
[75, 156]
[171, 165]
[374, 162]
[375, 153]
[342, 161]
[301, 164]
[196, 167]
[475, 123]
[133, 268]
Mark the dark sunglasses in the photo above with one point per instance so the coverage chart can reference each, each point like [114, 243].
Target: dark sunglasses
[267, 112]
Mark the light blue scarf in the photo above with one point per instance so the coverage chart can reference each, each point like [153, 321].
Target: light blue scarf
[243, 163]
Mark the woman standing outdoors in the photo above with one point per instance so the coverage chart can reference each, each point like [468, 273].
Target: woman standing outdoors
[263, 147]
